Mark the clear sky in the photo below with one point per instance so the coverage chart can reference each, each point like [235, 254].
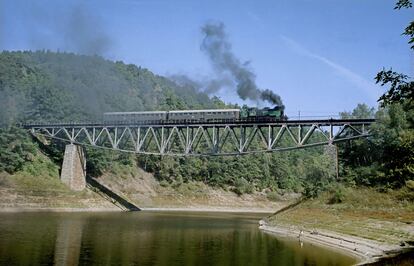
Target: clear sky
[321, 56]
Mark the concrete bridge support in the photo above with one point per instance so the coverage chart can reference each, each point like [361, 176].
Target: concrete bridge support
[73, 172]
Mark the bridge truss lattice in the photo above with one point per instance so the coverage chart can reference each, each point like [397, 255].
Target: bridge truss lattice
[199, 139]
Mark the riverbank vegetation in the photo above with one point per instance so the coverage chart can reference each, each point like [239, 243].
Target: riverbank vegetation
[360, 212]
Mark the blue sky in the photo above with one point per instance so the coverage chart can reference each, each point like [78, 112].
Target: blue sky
[321, 56]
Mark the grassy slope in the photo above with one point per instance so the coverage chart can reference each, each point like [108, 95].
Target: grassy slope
[145, 191]
[38, 186]
[384, 217]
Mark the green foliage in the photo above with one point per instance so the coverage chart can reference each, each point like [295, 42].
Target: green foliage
[403, 4]
[317, 178]
[273, 196]
[337, 192]
[361, 111]
[164, 183]
[98, 161]
[394, 139]
[387, 158]
[401, 87]
[409, 30]
[16, 149]
[242, 186]
[410, 184]
[405, 195]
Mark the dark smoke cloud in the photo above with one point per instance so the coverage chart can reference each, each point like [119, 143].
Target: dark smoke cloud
[184, 80]
[72, 27]
[270, 96]
[214, 85]
[218, 49]
[207, 85]
[84, 33]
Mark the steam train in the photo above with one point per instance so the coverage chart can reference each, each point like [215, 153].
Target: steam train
[250, 114]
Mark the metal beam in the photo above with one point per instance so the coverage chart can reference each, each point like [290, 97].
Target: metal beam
[206, 139]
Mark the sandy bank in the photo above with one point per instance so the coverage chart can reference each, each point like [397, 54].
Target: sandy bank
[364, 250]
[115, 209]
[213, 209]
[46, 209]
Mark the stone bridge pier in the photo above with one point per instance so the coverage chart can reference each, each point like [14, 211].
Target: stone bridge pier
[73, 172]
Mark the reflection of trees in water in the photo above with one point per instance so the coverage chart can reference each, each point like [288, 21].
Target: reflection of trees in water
[149, 239]
[164, 240]
[68, 241]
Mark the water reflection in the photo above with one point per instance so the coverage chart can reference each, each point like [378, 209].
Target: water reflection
[150, 238]
[68, 242]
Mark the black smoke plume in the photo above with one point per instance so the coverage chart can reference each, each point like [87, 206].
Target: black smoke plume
[71, 27]
[218, 49]
[84, 33]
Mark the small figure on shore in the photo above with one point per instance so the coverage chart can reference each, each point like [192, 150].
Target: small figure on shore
[300, 234]
[300, 238]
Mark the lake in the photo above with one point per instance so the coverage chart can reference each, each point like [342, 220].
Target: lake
[151, 238]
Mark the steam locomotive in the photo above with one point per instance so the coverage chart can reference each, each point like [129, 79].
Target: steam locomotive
[250, 114]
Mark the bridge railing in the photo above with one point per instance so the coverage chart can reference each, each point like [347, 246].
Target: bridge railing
[223, 137]
[302, 120]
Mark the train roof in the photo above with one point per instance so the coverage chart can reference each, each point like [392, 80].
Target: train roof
[135, 113]
[205, 111]
[173, 112]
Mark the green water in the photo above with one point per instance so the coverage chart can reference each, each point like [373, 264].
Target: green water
[150, 238]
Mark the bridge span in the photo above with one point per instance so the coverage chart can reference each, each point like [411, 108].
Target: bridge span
[195, 138]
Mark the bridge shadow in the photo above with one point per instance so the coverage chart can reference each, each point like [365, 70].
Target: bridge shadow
[110, 195]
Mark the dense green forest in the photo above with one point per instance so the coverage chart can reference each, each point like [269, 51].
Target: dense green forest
[48, 86]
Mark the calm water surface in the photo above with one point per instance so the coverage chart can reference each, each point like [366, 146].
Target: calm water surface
[150, 238]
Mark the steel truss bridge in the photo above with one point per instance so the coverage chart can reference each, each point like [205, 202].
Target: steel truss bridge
[202, 139]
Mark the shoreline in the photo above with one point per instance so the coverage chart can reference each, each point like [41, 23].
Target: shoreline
[149, 209]
[212, 209]
[364, 250]
[46, 209]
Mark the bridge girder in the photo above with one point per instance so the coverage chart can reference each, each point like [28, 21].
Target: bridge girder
[207, 139]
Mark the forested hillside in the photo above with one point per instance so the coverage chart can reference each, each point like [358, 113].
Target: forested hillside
[46, 86]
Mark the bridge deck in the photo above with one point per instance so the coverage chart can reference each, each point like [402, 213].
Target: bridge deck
[217, 123]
